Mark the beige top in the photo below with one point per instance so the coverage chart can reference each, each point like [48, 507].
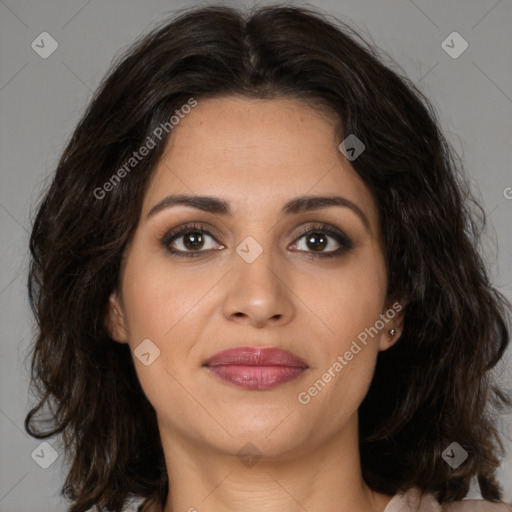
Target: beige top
[410, 501]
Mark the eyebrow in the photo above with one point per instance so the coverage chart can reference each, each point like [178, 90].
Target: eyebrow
[219, 206]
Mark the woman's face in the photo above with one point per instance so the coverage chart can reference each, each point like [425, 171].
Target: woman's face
[255, 279]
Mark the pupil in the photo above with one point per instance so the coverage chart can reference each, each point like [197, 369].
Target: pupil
[314, 236]
[196, 240]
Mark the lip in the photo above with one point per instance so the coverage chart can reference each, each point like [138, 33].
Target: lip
[256, 368]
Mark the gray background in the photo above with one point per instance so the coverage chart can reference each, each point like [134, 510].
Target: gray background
[41, 101]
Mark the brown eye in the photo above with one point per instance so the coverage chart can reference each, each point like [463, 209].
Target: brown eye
[318, 238]
[188, 241]
[193, 240]
[317, 241]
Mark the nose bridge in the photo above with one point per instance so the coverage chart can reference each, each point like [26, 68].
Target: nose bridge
[258, 242]
[256, 261]
[258, 282]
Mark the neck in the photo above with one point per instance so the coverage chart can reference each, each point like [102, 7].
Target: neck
[323, 477]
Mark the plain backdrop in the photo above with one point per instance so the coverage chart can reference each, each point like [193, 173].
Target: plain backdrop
[41, 100]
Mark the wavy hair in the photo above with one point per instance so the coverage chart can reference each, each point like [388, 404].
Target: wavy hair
[433, 387]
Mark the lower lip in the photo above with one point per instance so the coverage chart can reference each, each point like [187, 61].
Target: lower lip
[257, 377]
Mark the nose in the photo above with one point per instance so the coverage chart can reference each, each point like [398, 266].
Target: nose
[258, 293]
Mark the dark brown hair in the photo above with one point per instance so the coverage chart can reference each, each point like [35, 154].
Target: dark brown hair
[433, 387]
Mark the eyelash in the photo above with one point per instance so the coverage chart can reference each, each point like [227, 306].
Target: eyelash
[340, 237]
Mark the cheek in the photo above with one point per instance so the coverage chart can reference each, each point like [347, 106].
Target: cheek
[161, 305]
[159, 296]
[350, 386]
[352, 298]
[349, 303]
[333, 392]
[170, 306]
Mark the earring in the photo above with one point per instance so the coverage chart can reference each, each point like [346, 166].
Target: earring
[391, 332]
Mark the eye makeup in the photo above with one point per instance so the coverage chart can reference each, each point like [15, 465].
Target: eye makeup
[315, 230]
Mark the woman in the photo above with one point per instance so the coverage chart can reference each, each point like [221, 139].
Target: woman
[257, 282]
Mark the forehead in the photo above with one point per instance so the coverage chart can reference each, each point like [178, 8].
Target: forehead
[256, 153]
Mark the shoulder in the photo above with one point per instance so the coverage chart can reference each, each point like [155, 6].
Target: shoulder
[478, 506]
[412, 501]
[149, 505]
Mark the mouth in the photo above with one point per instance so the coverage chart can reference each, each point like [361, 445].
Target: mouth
[256, 368]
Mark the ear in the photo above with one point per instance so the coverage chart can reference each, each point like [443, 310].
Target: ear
[393, 319]
[115, 320]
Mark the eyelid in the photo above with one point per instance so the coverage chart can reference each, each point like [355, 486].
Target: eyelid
[328, 230]
[189, 227]
[341, 238]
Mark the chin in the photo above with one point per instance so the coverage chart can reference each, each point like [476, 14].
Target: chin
[269, 434]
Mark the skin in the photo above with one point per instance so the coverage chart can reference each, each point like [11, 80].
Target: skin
[257, 155]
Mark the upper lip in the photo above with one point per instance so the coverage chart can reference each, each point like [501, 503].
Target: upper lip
[255, 356]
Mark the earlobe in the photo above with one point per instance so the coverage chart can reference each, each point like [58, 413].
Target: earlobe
[388, 338]
[394, 327]
[115, 319]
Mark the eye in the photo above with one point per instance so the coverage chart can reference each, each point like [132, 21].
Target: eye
[317, 238]
[193, 236]
[190, 240]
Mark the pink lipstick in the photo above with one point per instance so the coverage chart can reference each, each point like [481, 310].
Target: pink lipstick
[256, 368]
